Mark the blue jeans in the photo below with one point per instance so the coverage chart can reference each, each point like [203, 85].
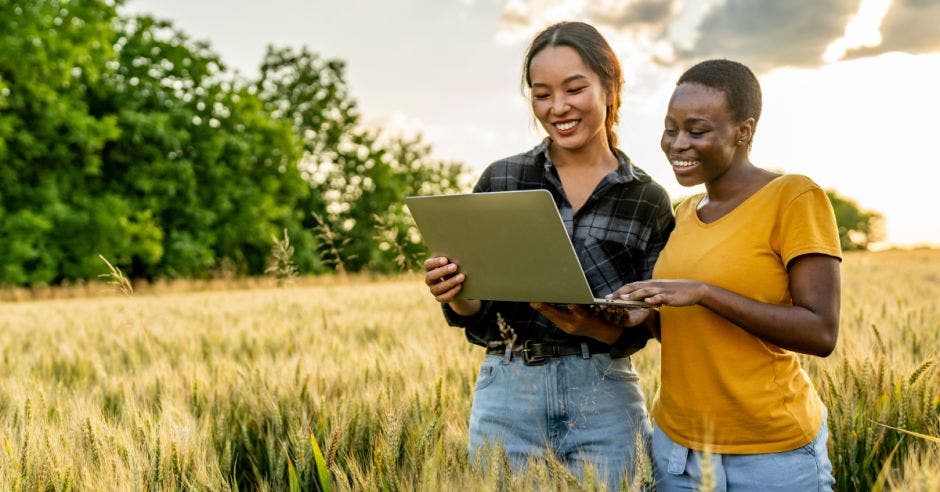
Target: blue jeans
[582, 411]
[806, 468]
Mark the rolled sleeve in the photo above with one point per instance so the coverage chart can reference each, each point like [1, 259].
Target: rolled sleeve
[460, 321]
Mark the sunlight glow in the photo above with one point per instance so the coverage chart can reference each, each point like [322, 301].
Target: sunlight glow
[862, 31]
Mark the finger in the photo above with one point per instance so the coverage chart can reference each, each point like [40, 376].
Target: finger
[446, 285]
[450, 294]
[627, 289]
[640, 293]
[435, 262]
[657, 299]
[436, 275]
[637, 317]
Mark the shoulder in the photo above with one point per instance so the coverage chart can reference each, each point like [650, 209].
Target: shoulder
[791, 186]
[650, 187]
[688, 204]
[636, 177]
[805, 220]
[514, 171]
[519, 161]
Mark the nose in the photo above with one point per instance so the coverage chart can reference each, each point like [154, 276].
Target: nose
[680, 142]
[560, 105]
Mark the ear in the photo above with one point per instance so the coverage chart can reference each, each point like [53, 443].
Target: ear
[745, 131]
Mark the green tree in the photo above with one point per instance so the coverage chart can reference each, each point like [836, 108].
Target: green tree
[857, 227]
[51, 52]
[360, 176]
[202, 153]
[122, 137]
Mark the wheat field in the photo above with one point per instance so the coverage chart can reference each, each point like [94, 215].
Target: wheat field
[357, 383]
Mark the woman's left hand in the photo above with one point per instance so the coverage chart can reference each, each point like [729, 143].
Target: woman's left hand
[579, 321]
[575, 320]
[675, 293]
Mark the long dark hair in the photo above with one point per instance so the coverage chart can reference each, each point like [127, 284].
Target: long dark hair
[595, 52]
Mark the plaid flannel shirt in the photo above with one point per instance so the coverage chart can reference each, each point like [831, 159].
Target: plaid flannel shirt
[617, 235]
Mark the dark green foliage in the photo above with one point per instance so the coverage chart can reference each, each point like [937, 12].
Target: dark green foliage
[122, 137]
[50, 140]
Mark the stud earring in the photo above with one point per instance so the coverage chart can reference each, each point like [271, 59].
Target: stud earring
[740, 142]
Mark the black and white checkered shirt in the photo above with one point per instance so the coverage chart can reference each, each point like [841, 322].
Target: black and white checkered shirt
[617, 234]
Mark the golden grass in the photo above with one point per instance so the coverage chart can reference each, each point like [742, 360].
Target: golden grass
[190, 387]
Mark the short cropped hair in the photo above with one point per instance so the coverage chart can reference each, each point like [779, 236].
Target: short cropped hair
[738, 82]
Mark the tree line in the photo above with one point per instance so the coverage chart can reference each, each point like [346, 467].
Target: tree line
[122, 138]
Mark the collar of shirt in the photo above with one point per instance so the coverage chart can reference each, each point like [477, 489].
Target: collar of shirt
[624, 174]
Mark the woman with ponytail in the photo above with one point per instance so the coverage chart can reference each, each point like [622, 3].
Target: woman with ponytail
[551, 391]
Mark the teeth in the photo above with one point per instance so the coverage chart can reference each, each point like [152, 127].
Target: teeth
[684, 163]
[566, 126]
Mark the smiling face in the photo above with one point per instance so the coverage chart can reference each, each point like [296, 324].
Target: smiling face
[568, 98]
[701, 139]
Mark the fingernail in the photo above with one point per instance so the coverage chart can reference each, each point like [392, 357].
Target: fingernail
[460, 276]
[451, 267]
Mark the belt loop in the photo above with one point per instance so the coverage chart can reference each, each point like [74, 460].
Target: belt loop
[507, 355]
[585, 353]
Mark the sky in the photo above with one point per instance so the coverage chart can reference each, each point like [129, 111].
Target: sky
[850, 87]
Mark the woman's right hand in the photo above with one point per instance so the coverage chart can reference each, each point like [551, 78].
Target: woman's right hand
[444, 281]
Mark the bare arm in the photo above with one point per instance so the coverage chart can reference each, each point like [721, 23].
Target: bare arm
[809, 326]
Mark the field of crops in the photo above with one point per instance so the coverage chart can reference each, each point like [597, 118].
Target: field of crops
[358, 384]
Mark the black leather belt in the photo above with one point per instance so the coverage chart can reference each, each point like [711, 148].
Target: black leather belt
[536, 353]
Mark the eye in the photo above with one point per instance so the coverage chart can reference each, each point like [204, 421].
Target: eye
[697, 133]
[575, 90]
[670, 132]
[540, 97]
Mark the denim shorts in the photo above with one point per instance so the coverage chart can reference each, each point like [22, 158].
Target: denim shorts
[806, 468]
[582, 411]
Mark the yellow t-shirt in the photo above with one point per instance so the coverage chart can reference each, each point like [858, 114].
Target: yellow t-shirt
[723, 388]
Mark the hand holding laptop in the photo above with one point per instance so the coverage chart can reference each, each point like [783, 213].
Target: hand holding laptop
[444, 280]
[510, 246]
[604, 323]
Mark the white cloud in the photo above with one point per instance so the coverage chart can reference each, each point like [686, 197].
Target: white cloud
[862, 31]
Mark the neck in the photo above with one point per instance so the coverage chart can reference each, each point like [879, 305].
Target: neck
[597, 153]
[732, 182]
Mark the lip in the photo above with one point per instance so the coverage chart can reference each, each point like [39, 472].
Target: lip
[683, 168]
[569, 131]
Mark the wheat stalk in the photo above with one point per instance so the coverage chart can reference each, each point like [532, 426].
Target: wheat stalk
[281, 263]
[116, 278]
[333, 244]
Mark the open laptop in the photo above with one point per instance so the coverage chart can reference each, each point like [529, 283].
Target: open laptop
[511, 245]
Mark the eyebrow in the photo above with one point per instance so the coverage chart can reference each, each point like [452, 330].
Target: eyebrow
[569, 79]
[689, 121]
